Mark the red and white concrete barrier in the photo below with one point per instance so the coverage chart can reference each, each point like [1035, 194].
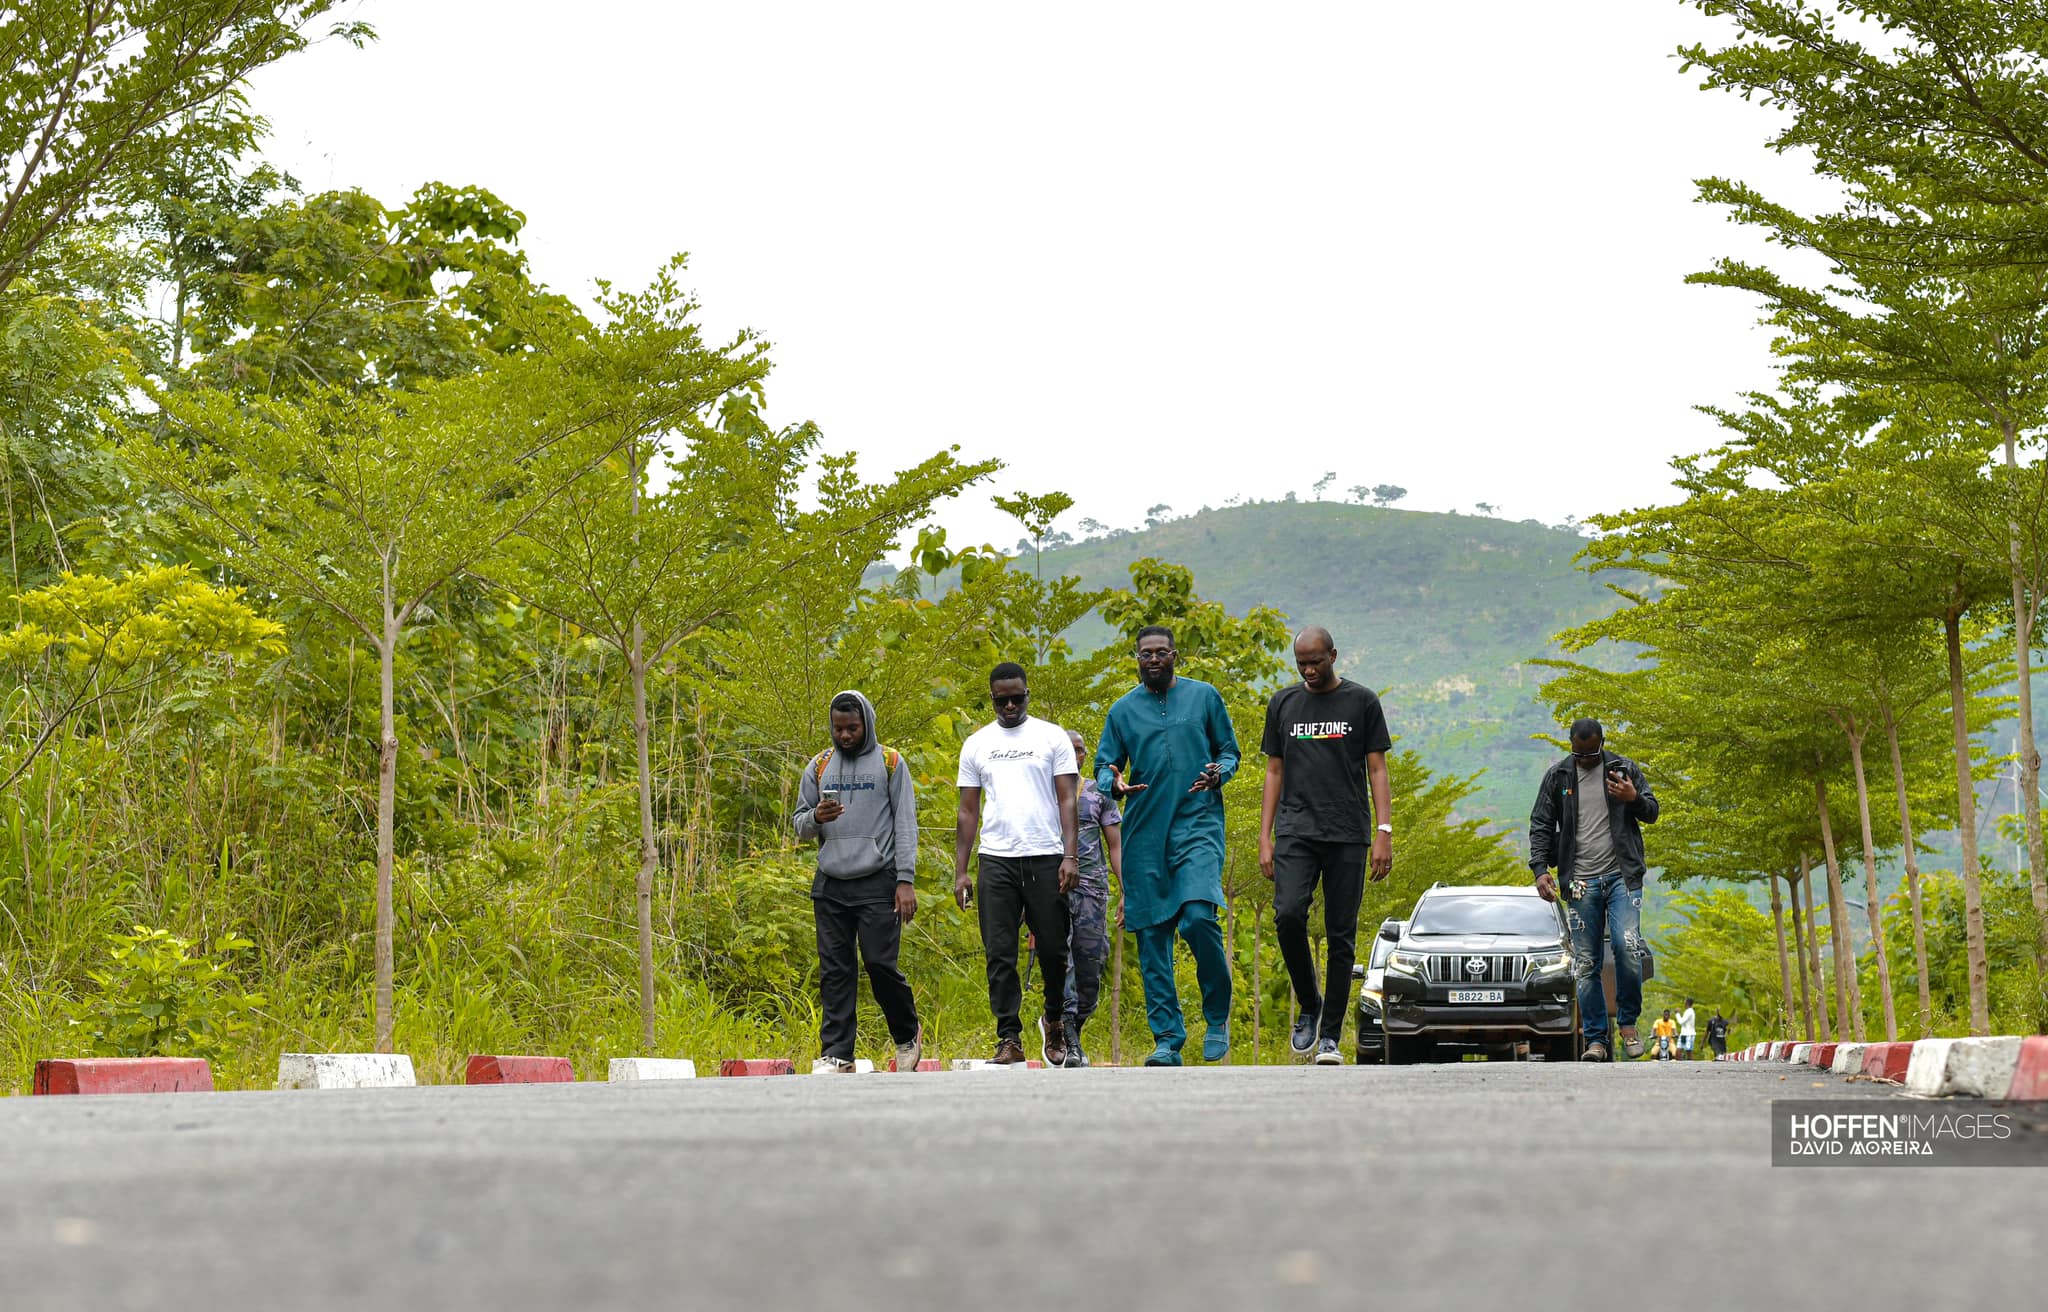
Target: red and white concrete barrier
[632, 1070]
[344, 1070]
[1823, 1055]
[757, 1066]
[124, 1075]
[2030, 1073]
[1887, 1061]
[519, 1070]
[1982, 1067]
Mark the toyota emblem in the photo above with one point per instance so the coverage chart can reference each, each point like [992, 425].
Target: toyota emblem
[1475, 965]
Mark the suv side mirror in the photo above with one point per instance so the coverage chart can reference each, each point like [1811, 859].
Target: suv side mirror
[1391, 933]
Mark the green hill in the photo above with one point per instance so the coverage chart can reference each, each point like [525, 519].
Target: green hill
[1438, 612]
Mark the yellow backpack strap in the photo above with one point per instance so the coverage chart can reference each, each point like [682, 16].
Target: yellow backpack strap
[891, 758]
[818, 765]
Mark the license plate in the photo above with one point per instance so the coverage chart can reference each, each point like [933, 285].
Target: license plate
[1479, 995]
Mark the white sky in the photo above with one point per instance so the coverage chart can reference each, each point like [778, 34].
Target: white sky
[1142, 252]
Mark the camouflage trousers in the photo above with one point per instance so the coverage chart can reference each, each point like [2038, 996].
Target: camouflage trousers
[1087, 950]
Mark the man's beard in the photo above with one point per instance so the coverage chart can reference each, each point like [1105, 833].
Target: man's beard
[1155, 677]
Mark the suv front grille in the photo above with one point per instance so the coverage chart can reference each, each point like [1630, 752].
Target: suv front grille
[1496, 968]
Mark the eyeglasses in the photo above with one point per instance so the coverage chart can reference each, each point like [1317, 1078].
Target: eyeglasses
[1011, 699]
[1154, 657]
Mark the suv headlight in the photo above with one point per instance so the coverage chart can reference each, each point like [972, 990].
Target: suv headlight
[1549, 963]
[1407, 963]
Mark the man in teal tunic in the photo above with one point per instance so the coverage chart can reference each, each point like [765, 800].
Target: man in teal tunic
[1165, 753]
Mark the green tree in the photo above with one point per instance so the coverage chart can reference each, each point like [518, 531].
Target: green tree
[368, 505]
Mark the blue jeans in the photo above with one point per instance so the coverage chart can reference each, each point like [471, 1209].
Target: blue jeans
[1608, 913]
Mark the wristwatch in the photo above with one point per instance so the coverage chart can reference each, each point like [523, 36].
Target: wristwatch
[1385, 828]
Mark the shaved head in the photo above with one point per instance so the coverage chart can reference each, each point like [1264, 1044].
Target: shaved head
[1315, 655]
[1315, 636]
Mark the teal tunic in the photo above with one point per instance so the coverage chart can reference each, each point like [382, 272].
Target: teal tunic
[1173, 839]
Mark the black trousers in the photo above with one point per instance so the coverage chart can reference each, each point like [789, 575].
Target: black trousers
[1022, 889]
[1298, 863]
[873, 929]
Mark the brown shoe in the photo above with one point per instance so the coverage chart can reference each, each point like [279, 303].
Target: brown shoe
[1594, 1052]
[1009, 1052]
[1630, 1044]
[1055, 1035]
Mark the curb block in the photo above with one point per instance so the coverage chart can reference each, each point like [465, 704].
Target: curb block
[1887, 1061]
[1848, 1059]
[926, 1064]
[632, 1070]
[983, 1064]
[757, 1066]
[1980, 1066]
[519, 1070]
[861, 1066]
[124, 1075]
[1800, 1053]
[1823, 1055]
[1783, 1051]
[344, 1070]
[2030, 1074]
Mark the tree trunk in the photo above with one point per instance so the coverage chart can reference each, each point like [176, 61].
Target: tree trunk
[1116, 995]
[1966, 830]
[2030, 753]
[1799, 952]
[1848, 990]
[1871, 905]
[1258, 997]
[650, 856]
[1784, 963]
[1820, 979]
[1891, 733]
[387, 794]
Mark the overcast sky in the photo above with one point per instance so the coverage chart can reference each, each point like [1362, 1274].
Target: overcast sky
[1144, 253]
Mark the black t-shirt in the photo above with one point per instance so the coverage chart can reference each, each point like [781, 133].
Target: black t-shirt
[1322, 740]
[1717, 1029]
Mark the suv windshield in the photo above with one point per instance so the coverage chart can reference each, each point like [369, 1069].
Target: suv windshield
[1467, 914]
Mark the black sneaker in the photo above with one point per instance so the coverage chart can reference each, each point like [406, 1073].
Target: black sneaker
[1076, 1058]
[1307, 1029]
[1327, 1054]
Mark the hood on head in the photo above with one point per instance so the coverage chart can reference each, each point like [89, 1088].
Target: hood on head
[867, 716]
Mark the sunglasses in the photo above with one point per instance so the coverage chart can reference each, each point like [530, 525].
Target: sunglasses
[1011, 699]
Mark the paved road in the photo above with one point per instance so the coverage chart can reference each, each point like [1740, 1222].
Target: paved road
[1638, 1186]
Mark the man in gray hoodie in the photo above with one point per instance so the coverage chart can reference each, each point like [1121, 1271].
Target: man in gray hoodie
[856, 800]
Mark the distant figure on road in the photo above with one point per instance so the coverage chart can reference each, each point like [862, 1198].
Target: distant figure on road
[855, 798]
[1666, 1030]
[1587, 824]
[1024, 770]
[1173, 737]
[1326, 745]
[1686, 1031]
[1717, 1034]
[1102, 854]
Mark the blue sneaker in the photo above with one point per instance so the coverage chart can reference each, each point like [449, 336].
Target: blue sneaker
[1307, 1029]
[1163, 1055]
[1216, 1044]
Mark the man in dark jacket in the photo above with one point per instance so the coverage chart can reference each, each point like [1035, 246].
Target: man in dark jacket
[855, 798]
[1587, 825]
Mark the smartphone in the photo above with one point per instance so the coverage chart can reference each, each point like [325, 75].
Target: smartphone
[828, 795]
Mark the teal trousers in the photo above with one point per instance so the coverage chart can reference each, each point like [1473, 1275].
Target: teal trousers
[1198, 927]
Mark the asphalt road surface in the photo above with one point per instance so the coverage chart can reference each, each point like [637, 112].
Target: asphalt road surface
[1537, 1186]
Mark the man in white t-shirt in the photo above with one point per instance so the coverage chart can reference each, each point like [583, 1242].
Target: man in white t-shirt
[1686, 1031]
[1018, 781]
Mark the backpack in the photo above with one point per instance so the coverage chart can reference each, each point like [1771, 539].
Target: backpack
[891, 758]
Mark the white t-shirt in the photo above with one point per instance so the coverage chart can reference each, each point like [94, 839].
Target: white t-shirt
[1685, 1022]
[1014, 769]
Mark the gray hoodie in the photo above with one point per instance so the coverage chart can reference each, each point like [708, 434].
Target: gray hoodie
[879, 828]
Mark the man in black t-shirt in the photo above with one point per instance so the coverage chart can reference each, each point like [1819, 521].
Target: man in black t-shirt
[1326, 744]
[1717, 1035]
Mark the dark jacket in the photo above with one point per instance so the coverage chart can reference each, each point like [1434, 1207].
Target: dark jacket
[1554, 820]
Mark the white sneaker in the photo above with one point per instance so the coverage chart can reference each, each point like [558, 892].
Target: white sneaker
[831, 1066]
[908, 1055]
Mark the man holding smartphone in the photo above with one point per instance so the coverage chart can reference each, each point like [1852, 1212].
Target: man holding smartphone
[1017, 782]
[1587, 824]
[1167, 749]
[856, 799]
